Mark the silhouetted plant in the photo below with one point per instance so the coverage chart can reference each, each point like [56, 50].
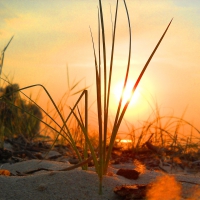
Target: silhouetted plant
[31, 125]
[16, 115]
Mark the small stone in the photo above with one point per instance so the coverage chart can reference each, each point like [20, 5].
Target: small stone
[128, 173]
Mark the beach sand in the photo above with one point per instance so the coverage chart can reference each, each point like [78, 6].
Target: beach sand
[71, 185]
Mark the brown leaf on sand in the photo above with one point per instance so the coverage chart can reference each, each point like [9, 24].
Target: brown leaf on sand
[4, 172]
[130, 192]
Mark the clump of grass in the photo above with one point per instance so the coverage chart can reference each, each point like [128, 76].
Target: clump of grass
[167, 136]
[103, 105]
[64, 130]
[166, 131]
[101, 160]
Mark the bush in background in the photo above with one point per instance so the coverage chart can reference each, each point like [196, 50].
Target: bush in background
[16, 115]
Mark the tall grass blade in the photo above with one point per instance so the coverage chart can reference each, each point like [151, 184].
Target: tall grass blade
[125, 81]
[98, 89]
[109, 83]
[127, 71]
[68, 134]
[88, 140]
[116, 128]
[105, 74]
[99, 106]
[2, 54]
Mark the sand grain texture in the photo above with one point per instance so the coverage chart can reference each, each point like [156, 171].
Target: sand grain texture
[66, 185]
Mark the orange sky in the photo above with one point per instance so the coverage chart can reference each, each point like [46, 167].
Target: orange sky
[50, 35]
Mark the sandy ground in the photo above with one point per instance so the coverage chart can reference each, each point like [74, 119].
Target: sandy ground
[71, 185]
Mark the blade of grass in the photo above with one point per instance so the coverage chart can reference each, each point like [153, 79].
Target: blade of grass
[105, 76]
[99, 107]
[2, 54]
[70, 139]
[88, 140]
[117, 124]
[125, 81]
[109, 84]
[127, 71]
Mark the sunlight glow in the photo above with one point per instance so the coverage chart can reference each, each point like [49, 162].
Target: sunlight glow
[127, 93]
[124, 143]
[124, 140]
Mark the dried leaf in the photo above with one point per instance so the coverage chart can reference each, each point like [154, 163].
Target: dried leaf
[5, 172]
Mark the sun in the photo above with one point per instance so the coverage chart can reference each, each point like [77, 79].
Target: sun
[127, 93]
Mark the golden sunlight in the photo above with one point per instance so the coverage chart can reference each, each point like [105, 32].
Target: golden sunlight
[127, 93]
[125, 143]
[124, 140]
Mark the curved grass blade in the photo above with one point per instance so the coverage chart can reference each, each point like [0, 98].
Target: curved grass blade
[2, 54]
[69, 136]
[87, 139]
[109, 84]
[116, 128]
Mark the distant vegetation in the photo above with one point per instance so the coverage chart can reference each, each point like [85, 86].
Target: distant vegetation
[14, 117]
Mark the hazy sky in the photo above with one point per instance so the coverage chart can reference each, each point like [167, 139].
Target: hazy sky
[48, 35]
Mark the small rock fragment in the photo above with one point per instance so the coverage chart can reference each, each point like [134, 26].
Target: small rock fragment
[128, 173]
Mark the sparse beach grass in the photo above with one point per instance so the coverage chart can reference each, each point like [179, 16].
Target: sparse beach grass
[161, 134]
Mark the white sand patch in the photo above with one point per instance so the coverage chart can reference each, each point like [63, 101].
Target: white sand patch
[70, 185]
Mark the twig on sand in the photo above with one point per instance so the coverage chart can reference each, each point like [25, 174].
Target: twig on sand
[84, 162]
